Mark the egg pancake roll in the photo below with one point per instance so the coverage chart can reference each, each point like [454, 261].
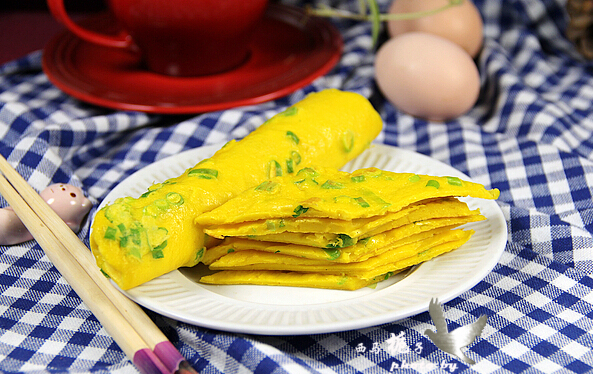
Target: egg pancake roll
[137, 239]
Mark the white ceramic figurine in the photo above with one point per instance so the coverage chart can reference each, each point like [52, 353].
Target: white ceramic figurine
[66, 200]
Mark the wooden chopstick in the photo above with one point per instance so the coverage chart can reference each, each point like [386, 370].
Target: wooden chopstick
[124, 320]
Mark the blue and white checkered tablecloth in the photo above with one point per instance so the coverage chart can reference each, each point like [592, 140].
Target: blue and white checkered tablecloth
[529, 135]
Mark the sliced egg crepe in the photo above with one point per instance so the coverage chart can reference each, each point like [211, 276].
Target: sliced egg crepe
[326, 228]
[329, 193]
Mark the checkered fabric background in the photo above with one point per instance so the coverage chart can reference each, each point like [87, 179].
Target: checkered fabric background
[529, 135]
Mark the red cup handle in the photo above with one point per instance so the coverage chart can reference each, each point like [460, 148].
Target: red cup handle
[58, 10]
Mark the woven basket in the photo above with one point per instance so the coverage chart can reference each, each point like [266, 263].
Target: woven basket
[580, 27]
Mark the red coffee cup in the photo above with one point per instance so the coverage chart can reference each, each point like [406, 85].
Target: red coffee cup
[178, 37]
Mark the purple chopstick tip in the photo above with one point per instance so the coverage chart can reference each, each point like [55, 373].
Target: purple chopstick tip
[148, 362]
[173, 360]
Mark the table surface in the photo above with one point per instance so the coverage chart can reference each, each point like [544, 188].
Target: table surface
[529, 135]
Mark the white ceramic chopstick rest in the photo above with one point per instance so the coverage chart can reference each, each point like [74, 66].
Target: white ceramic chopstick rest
[66, 200]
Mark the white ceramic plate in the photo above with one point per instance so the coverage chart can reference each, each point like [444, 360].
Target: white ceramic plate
[269, 310]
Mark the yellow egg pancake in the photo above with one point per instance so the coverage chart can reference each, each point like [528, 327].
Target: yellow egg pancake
[329, 193]
[446, 207]
[326, 228]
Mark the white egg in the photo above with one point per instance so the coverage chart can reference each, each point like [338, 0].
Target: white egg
[427, 76]
[462, 24]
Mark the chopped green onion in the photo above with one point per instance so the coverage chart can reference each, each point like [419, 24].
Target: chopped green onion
[203, 173]
[274, 169]
[289, 167]
[136, 236]
[110, 233]
[290, 111]
[358, 178]
[414, 178]
[309, 172]
[329, 184]
[365, 240]
[341, 241]
[174, 198]
[332, 253]
[362, 202]
[372, 198]
[296, 157]
[433, 183]
[348, 141]
[147, 193]
[305, 180]
[108, 212]
[293, 137]
[299, 210]
[346, 240]
[266, 186]
[454, 181]
[200, 254]
[157, 252]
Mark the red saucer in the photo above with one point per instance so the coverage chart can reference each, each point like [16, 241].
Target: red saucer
[289, 51]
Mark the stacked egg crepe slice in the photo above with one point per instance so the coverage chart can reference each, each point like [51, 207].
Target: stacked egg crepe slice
[325, 228]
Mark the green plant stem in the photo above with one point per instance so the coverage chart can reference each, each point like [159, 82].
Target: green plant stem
[373, 15]
[363, 16]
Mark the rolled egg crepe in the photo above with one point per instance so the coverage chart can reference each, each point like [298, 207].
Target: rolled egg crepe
[137, 239]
